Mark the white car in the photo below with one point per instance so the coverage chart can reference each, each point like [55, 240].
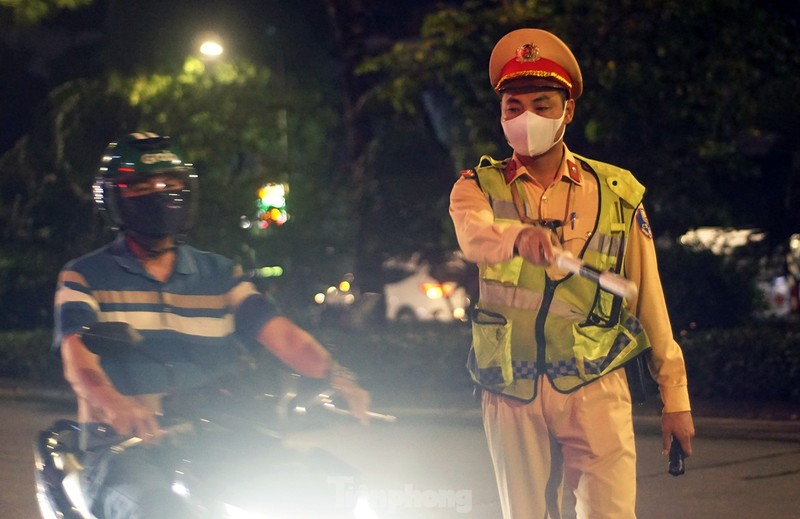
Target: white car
[421, 297]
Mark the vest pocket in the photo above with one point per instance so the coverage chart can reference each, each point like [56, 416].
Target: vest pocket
[489, 360]
[507, 272]
[599, 349]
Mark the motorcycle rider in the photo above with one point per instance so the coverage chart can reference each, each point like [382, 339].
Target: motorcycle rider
[187, 304]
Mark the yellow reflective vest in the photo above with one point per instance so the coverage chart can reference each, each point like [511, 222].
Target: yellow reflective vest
[526, 324]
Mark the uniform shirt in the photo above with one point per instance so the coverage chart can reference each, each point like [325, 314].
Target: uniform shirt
[573, 199]
[190, 322]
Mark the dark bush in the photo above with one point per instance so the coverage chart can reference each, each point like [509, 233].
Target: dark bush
[706, 291]
[423, 356]
[27, 355]
[758, 362]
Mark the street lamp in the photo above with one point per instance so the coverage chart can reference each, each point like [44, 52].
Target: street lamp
[209, 44]
[211, 48]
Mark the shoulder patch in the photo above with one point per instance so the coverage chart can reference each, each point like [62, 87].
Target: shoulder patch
[643, 223]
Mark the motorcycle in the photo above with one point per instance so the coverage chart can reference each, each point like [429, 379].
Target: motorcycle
[227, 448]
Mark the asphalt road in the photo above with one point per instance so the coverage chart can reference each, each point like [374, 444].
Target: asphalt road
[436, 466]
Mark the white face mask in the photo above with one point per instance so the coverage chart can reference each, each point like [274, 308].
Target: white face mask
[532, 135]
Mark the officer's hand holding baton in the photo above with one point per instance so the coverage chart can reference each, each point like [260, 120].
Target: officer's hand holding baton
[607, 280]
[540, 246]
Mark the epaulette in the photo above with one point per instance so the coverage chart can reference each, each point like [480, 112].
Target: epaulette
[471, 174]
[621, 181]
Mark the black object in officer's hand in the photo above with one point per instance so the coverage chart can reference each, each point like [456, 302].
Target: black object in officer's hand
[676, 466]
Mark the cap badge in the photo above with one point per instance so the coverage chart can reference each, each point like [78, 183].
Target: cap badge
[527, 52]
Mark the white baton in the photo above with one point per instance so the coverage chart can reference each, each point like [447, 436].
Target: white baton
[609, 281]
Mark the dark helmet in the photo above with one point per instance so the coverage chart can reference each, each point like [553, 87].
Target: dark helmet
[133, 158]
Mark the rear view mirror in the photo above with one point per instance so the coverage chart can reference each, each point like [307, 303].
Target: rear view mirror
[110, 339]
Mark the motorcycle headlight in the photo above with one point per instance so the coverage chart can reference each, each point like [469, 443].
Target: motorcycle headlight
[364, 510]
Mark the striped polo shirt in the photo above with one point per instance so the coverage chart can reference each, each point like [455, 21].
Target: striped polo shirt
[191, 323]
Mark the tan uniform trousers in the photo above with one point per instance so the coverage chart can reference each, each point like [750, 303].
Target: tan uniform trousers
[584, 439]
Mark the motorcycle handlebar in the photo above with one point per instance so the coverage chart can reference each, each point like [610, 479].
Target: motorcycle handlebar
[325, 401]
[132, 441]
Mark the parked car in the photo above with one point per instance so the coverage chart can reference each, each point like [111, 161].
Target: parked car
[421, 297]
[416, 295]
[778, 267]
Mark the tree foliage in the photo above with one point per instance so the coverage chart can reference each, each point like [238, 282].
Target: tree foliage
[229, 120]
[699, 99]
[32, 11]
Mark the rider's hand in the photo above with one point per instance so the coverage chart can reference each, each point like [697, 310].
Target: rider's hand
[537, 245]
[128, 417]
[357, 398]
[125, 414]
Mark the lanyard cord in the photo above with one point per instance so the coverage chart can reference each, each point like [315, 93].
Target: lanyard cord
[519, 206]
[524, 218]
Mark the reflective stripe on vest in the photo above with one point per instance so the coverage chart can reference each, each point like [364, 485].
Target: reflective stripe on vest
[569, 329]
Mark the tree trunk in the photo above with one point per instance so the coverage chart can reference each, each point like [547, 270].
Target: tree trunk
[349, 20]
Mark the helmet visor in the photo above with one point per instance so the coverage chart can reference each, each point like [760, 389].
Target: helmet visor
[133, 185]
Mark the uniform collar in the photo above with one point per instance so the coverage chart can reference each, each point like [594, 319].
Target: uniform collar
[569, 171]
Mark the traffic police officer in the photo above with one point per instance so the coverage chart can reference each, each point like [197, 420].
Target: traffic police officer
[548, 346]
